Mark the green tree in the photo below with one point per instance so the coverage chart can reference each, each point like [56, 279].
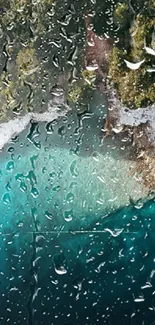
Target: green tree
[141, 32]
[116, 65]
[122, 14]
[137, 88]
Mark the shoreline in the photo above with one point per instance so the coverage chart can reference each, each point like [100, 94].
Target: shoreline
[139, 124]
[17, 125]
[103, 170]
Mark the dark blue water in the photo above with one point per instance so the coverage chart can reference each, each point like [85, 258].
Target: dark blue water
[74, 250]
[103, 274]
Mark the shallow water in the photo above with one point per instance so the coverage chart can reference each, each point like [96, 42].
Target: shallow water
[73, 249]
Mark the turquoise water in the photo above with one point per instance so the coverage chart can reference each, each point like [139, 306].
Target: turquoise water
[73, 247]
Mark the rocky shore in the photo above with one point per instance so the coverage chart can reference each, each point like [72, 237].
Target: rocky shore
[15, 126]
[139, 124]
[140, 127]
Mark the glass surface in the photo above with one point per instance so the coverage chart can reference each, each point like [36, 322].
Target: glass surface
[77, 166]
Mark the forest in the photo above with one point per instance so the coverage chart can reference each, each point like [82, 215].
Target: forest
[43, 46]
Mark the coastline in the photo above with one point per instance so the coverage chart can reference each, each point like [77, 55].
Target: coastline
[139, 125]
[17, 125]
[97, 167]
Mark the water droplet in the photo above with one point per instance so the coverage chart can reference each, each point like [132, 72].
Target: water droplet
[36, 222]
[77, 283]
[56, 188]
[44, 169]
[33, 161]
[31, 177]
[48, 215]
[52, 175]
[34, 192]
[62, 131]
[61, 270]
[73, 168]
[115, 232]
[72, 185]
[8, 187]
[34, 131]
[49, 128]
[95, 156]
[15, 139]
[52, 158]
[23, 186]
[98, 270]
[19, 177]
[6, 198]
[11, 149]
[40, 240]
[140, 299]
[59, 264]
[70, 197]
[10, 166]
[139, 205]
[60, 174]
[55, 61]
[68, 215]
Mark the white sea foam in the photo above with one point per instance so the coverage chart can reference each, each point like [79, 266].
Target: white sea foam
[130, 117]
[136, 117]
[17, 125]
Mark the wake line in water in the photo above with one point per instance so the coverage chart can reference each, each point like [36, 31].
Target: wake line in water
[73, 232]
[16, 126]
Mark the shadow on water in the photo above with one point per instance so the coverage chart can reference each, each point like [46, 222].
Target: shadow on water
[101, 273]
[108, 279]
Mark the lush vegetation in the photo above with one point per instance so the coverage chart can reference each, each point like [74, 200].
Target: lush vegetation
[136, 88]
[82, 87]
[43, 40]
[40, 43]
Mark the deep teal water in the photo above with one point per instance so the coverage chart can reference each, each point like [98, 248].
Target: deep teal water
[71, 252]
